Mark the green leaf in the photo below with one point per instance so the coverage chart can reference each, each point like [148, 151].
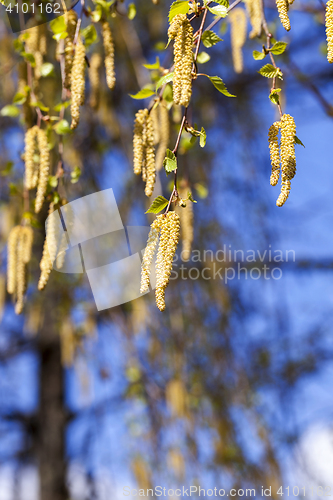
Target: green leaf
[278, 48]
[96, 15]
[75, 175]
[142, 94]
[269, 71]
[298, 141]
[62, 105]
[8, 169]
[178, 7]
[190, 197]
[19, 98]
[155, 65]
[201, 190]
[47, 69]
[60, 36]
[258, 55]
[170, 161]
[58, 25]
[203, 137]
[274, 96]
[131, 13]
[62, 127]
[203, 57]
[30, 58]
[40, 105]
[158, 204]
[219, 10]
[225, 3]
[53, 181]
[165, 79]
[10, 110]
[209, 38]
[90, 35]
[220, 86]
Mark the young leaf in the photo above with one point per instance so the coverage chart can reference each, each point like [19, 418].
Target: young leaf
[220, 86]
[274, 97]
[170, 161]
[62, 127]
[203, 57]
[201, 190]
[40, 105]
[30, 58]
[142, 94]
[19, 98]
[10, 110]
[298, 141]
[47, 69]
[258, 55]
[58, 25]
[278, 48]
[269, 71]
[155, 65]
[225, 3]
[90, 35]
[158, 204]
[209, 38]
[53, 181]
[75, 175]
[178, 7]
[131, 13]
[219, 10]
[62, 105]
[202, 140]
[190, 197]
[165, 79]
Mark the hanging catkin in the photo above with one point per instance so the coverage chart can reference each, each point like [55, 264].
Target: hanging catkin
[71, 20]
[12, 259]
[77, 82]
[273, 141]
[164, 135]
[93, 72]
[44, 168]
[182, 32]
[186, 224]
[32, 46]
[329, 30]
[237, 18]
[169, 237]
[49, 250]
[283, 7]
[31, 173]
[287, 154]
[138, 146]
[109, 55]
[253, 8]
[150, 158]
[143, 149]
[148, 255]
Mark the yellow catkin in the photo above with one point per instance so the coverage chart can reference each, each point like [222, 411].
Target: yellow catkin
[67, 340]
[253, 8]
[237, 19]
[71, 20]
[77, 82]
[20, 275]
[164, 135]
[44, 168]
[154, 113]
[109, 55]
[186, 224]
[169, 237]
[329, 30]
[30, 146]
[49, 250]
[176, 396]
[93, 72]
[148, 255]
[150, 158]
[287, 154]
[181, 30]
[19, 254]
[282, 7]
[138, 145]
[273, 141]
[28, 236]
[32, 46]
[12, 259]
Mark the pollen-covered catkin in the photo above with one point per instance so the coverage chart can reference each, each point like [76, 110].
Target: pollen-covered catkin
[138, 145]
[274, 151]
[30, 146]
[253, 8]
[237, 18]
[182, 31]
[93, 72]
[148, 255]
[282, 7]
[19, 254]
[49, 250]
[44, 168]
[169, 237]
[71, 20]
[150, 158]
[12, 259]
[109, 55]
[164, 135]
[77, 82]
[329, 30]
[287, 154]
[186, 224]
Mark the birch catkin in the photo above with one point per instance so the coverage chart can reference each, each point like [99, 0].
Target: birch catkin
[44, 168]
[148, 255]
[30, 146]
[282, 7]
[138, 146]
[164, 135]
[150, 158]
[329, 30]
[237, 18]
[253, 8]
[143, 149]
[287, 155]
[109, 55]
[93, 72]
[182, 32]
[77, 82]
[71, 20]
[49, 250]
[12, 259]
[274, 152]
[186, 224]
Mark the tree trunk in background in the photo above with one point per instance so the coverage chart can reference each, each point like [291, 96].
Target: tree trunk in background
[51, 416]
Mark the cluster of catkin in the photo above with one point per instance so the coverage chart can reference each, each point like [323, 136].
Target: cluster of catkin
[181, 32]
[165, 230]
[329, 30]
[161, 126]
[283, 155]
[253, 8]
[19, 255]
[36, 173]
[144, 150]
[238, 22]
[71, 21]
[78, 82]
[283, 7]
